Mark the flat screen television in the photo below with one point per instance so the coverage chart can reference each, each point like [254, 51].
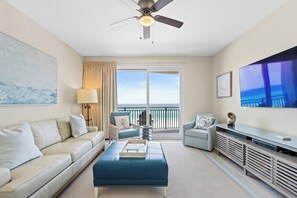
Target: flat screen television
[271, 82]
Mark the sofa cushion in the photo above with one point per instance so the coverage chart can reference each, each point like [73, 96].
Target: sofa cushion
[198, 133]
[78, 125]
[45, 133]
[76, 149]
[64, 127]
[17, 146]
[4, 176]
[31, 176]
[94, 137]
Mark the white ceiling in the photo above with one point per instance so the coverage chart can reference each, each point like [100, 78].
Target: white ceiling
[209, 25]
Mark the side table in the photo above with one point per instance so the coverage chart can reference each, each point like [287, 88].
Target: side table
[146, 132]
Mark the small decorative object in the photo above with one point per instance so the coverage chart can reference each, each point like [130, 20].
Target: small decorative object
[224, 85]
[231, 119]
[285, 138]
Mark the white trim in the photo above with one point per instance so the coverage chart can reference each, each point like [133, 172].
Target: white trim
[149, 66]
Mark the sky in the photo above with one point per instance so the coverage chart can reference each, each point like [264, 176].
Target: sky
[131, 85]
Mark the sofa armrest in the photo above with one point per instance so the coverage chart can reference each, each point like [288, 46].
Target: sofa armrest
[92, 128]
[113, 132]
[4, 176]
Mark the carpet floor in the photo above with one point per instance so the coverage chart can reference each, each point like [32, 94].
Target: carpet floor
[192, 173]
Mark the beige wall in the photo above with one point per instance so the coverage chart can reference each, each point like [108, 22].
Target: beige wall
[196, 85]
[274, 34]
[17, 25]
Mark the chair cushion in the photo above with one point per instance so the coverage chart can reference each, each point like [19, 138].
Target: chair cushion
[125, 133]
[94, 137]
[76, 149]
[33, 175]
[122, 122]
[198, 133]
[114, 114]
[203, 122]
[64, 127]
[45, 133]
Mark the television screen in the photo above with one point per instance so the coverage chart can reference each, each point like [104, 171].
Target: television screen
[271, 82]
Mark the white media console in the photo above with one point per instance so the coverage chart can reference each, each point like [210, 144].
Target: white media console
[264, 154]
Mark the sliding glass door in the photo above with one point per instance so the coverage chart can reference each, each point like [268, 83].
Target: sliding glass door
[152, 97]
[164, 100]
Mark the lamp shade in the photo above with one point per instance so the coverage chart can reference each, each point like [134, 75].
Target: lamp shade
[87, 96]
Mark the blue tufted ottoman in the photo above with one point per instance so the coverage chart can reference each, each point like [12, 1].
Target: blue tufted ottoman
[110, 170]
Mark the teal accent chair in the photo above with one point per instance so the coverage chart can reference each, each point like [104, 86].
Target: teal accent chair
[115, 133]
[199, 138]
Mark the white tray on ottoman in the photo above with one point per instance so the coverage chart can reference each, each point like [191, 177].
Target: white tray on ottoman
[134, 148]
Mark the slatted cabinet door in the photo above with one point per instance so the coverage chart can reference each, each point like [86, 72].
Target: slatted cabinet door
[285, 176]
[236, 151]
[221, 143]
[259, 163]
[231, 147]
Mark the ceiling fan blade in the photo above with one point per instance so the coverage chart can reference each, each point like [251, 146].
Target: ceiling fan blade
[124, 21]
[146, 32]
[168, 21]
[132, 4]
[160, 4]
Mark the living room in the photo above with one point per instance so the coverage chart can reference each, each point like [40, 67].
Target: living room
[273, 33]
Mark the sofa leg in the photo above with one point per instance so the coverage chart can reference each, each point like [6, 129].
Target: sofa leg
[165, 192]
[96, 192]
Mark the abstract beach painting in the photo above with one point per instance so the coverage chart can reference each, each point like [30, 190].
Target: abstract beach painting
[27, 75]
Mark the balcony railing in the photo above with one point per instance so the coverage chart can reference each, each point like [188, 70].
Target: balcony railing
[161, 118]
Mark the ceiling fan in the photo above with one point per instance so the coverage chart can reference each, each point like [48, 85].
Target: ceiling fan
[146, 8]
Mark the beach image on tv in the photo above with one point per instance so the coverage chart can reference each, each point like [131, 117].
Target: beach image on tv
[269, 84]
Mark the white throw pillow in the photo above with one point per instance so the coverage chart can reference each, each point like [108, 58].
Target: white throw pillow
[78, 125]
[122, 122]
[17, 146]
[203, 122]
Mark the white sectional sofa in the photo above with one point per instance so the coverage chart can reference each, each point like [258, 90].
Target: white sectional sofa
[64, 157]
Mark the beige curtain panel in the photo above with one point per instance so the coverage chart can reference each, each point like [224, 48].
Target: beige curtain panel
[101, 76]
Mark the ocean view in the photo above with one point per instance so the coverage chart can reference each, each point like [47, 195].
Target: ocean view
[163, 116]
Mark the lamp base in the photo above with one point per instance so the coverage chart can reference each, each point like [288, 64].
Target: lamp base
[88, 114]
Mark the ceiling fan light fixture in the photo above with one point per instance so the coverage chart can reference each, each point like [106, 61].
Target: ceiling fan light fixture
[146, 20]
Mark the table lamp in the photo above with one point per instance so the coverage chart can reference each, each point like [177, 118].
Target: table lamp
[87, 96]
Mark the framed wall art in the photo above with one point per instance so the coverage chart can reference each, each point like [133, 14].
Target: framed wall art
[28, 75]
[224, 85]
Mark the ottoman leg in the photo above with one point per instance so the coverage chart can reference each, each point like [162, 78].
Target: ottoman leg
[165, 191]
[96, 192]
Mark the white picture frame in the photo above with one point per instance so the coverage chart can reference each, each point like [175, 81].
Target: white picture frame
[224, 85]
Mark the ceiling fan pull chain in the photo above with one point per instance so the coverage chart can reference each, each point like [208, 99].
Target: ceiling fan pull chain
[152, 35]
